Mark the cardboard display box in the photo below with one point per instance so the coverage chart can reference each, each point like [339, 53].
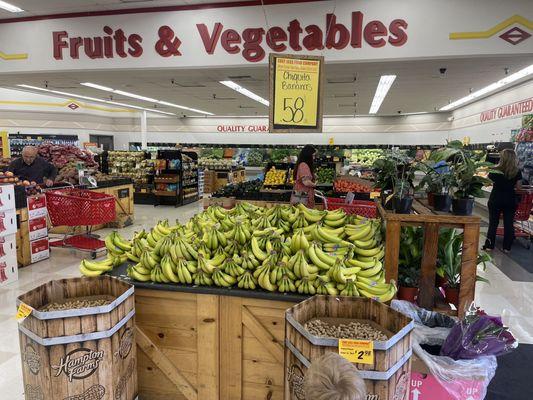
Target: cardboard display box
[424, 385]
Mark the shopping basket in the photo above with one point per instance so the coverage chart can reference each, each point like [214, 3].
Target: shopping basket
[78, 207]
[523, 225]
[364, 208]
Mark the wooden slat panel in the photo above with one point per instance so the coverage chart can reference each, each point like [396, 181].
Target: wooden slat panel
[253, 349]
[269, 341]
[208, 346]
[165, 365]
[230, 348]
[153, 383]
[262, 372]
[166, 313]
[468, 267]
[392, 250]
[429, 265]
[178, 339]
[252, 391]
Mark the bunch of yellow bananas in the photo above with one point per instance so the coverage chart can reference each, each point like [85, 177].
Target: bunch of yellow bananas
[283, 248]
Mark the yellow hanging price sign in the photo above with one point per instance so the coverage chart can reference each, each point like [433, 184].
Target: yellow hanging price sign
[374, 195]
[357, 351]
[23, 312]
[295, 93]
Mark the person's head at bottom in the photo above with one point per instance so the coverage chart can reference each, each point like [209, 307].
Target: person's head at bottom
[332, 377]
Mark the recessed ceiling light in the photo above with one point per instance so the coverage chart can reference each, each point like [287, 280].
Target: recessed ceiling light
[78, 96]
[490, 88]
[10, 7]
[139, 97]
[246, 92]
[385, 82]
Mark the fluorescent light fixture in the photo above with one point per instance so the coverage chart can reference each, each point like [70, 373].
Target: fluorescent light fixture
[79, 96]
[10, 7]
[246, 92]
[135, 96]
[490, 88]
[166, 103]
[139, 97]
[95, 86]
[385, 82]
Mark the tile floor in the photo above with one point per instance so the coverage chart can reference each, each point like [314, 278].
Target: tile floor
[513, 300]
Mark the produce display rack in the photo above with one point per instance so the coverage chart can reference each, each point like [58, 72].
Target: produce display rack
[431, 222]
[18, 141]
[181, 169]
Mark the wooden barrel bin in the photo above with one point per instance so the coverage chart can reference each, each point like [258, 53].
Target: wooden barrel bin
[80, 353]
[389, 375]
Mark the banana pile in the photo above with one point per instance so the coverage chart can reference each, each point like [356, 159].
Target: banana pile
[284, 248]
[117, 247]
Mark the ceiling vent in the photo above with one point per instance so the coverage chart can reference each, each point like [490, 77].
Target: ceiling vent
[344, 96]
[349, 105]
[334, 81]
[187, 84]
[217, 98]
[241, 78]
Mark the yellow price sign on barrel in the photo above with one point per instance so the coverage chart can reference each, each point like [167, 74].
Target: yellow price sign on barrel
[295, 93]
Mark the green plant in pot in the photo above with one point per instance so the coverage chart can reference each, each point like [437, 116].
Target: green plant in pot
[436, 181]
[394, 176]
[465, 182]
[409, 262]
[385, 169]
[450, 261]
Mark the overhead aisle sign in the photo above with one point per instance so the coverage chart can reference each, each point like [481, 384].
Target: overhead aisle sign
[296, 100]
[234, 34]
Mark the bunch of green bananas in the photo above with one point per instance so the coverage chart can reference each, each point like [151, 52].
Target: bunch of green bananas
[299, 265]
[283, 248]
[247, 281]
[223, 279]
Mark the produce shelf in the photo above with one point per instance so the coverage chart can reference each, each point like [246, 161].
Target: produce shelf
[120, 272]
[165, 193]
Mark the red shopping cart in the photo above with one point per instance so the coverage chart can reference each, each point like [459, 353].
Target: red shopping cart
[77, 208]
[522, 216]
[364, 208]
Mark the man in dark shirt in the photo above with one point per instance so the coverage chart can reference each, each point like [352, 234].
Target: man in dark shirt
[32, 167]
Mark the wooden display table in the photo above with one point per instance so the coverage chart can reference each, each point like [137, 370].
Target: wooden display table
[431, 221]
[204, 343]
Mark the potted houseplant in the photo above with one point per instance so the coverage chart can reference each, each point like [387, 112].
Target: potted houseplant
[409, 262]
[450, 260]
[402, 197]
[465, 182]
[437, 180]
[394, 175]
[408, 281]
[385, 169]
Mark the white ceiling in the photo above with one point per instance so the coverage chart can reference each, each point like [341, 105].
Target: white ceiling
[419, 85]
[45, 7]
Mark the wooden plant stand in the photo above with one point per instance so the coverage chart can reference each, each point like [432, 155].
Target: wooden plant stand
[431, 222]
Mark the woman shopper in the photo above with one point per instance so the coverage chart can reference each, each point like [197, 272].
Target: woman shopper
[503, 199]
[304, 178]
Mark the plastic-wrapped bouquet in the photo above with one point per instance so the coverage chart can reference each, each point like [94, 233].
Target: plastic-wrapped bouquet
[478, 335]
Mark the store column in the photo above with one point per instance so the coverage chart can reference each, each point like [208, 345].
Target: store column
[144, 142]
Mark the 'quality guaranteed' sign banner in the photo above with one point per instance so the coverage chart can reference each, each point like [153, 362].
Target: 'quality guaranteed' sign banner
[238, 34]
